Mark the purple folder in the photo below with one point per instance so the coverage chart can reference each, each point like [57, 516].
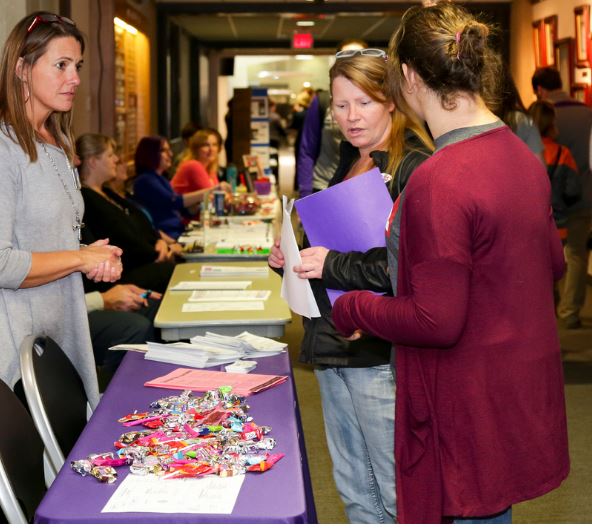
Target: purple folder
[350, 216]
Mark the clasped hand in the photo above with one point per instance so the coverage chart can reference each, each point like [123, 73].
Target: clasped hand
[101, 262]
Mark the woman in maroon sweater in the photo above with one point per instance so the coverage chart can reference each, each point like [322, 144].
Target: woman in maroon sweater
[480, 414]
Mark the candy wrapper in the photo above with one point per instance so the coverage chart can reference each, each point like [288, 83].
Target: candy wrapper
[187, 437]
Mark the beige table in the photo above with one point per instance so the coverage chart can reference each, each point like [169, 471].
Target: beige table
[175, 324]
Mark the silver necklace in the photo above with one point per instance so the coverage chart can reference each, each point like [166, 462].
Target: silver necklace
[78, 225]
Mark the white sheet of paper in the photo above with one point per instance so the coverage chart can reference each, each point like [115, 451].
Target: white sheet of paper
[139, 347]
[153, 494]
[234, 271]
[229, 295]
[191, 285]
[296, 291]
[190, 307]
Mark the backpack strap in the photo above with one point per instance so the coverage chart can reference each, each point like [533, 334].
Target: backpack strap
[556, 163]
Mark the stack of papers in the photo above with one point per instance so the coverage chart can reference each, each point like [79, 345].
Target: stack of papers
[212, 349]
[234, 271]
[201, 356]
[260, 347]
[196, 380]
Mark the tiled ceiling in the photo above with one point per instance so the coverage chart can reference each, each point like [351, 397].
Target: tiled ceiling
[271, 23]
[279, 28]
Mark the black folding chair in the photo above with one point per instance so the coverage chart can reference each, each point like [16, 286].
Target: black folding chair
[22, 484]
[55, 395]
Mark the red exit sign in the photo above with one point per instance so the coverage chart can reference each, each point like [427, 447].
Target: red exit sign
[302, 40]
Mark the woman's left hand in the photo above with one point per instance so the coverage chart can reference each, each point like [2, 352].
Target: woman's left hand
[162, 248]
[313, 261]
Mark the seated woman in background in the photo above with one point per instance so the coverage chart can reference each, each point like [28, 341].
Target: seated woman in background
[153, 191]
[199, 168]
[121, 185]
[147, 260]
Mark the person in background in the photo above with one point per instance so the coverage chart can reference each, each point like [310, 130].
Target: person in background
[480, 421]
[574, 123]
[277, 133]
[299, 110]
[199, 168]
[147, 259]
[566, 188]
[220, 170]
[355, 378]
[41, 208]
[153, 159]
[188, 130]
[513, 113]
[319, 143]
[121, 185]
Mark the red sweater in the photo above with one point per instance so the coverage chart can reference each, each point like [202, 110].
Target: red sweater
[480, 414]
[191, 176]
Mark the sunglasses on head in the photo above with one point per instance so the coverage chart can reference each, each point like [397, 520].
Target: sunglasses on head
[49, 19]
[369, 52]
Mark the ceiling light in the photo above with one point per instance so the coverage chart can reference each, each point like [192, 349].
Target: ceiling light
[263, 74]
[306, 84]
[304, 57]
[124, 25]
[305, 23]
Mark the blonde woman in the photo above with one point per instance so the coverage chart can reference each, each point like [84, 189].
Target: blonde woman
[355, 378]
[199, 168]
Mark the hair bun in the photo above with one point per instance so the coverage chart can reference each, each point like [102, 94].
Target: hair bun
[473, 41]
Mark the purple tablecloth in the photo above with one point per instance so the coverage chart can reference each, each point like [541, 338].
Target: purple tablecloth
[280, 495]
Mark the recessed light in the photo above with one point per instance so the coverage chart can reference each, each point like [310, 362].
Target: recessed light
[305, 23]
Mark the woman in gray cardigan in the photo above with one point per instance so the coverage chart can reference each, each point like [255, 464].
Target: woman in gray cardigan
[40, 203]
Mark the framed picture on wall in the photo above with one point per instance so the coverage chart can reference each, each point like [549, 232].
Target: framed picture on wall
[536, 37]
[582, 20]
[549, 28]
[544, 33]
[564, 61]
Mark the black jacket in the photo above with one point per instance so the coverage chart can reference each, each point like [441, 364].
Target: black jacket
[322, 344]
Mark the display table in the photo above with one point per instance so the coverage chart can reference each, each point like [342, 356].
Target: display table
[175, 324]
[252, 234]
[280, 495]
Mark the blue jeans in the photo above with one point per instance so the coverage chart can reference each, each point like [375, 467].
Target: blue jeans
[500, 518]
[359, 414]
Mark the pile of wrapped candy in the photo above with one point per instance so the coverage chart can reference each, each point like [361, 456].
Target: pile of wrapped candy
[186, 436]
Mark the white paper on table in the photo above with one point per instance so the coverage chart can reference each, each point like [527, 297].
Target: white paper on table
[229, 295]
[138, 347]
[190, 307]
[234, 271]
[191, 285]
[296, 291]
[153, 494]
